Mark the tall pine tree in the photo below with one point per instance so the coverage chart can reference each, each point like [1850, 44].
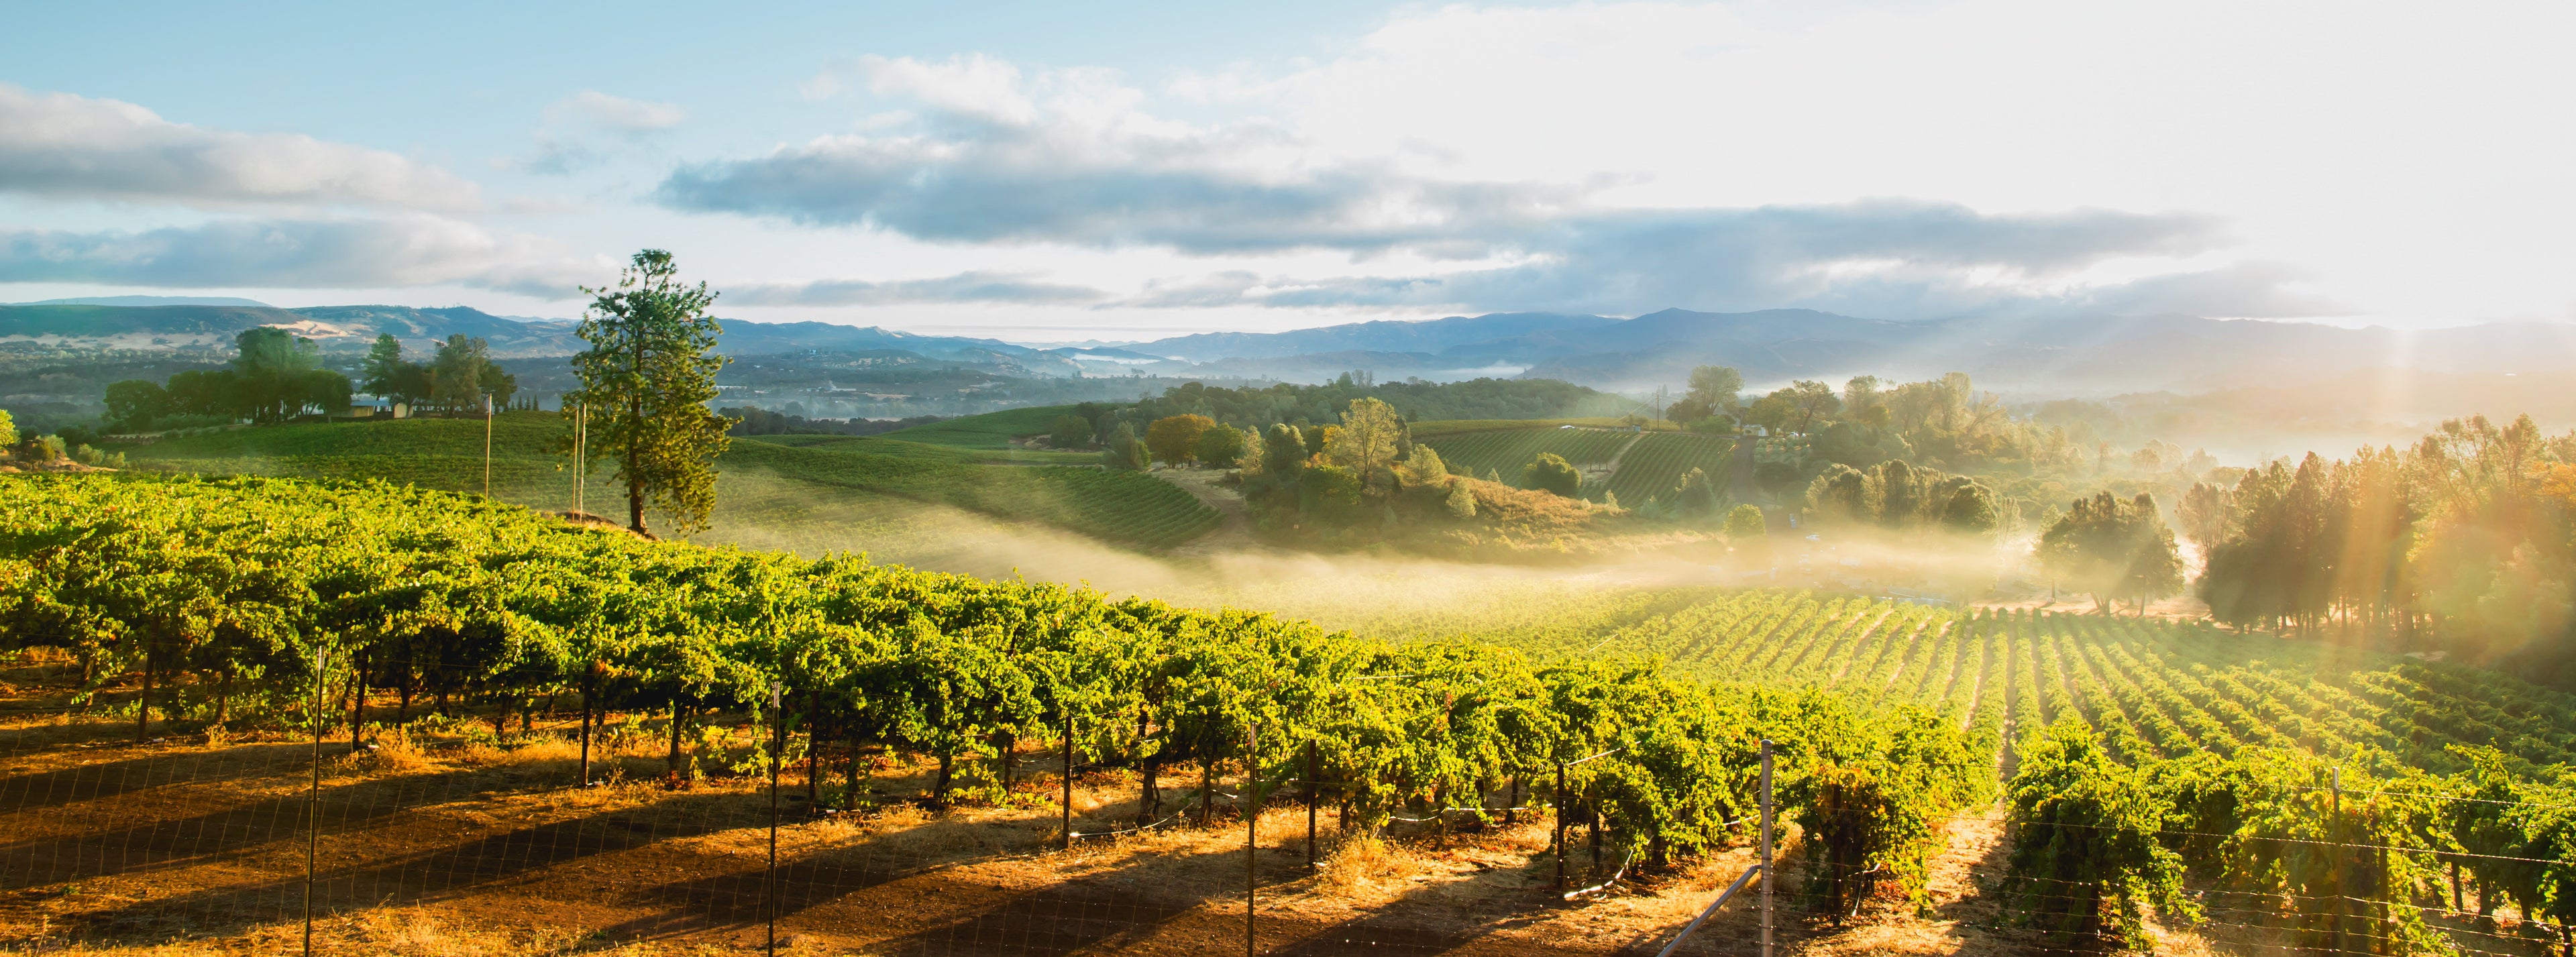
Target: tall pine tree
[646, 381]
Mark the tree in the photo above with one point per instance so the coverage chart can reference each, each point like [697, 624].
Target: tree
[1809, 403]
[1745, 522]
[1687, 411]
[1716, 389]
[1550, 472]
[1461, 501]
[1122, 451]
[2203, 514]
[2085, 843]
[133, 404]
[1842, 494]
[646, 380]
[1319, 438]
[8, 430]
[1222, 446]
[1423, 467]
[277, 375]
[1900, 493]
[2113, 549]
[1069, 432]
[1283, 450]
[497, 384]
[1368, 441]
[1329, 493]
[384, 367]
[457, 375]
[1773, 412]
[1697, 495]
[203, 392]
[1175, 439]
[1970, 509]
[1861, 398]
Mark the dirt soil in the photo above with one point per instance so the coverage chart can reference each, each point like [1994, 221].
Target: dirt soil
[195, 842]
[1232, 537]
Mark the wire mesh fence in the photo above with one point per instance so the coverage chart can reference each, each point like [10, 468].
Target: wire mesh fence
[368, 824]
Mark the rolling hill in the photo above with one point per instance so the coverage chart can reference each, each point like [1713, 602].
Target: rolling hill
[812, 476]
[1632, 465]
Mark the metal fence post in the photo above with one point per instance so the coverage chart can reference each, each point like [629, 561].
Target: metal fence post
[1314, 790]
[1068, 778]
[1251, 828]
[1766, 847]
[2334, 831]
[1558, 841]
[777, 754]
[589, 697]
[313, 805]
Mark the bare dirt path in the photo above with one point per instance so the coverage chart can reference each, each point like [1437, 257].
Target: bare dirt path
[1612, 467]
[1235, 534]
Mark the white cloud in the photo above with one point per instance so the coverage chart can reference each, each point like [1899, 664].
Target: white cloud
[615, 112]
[589, 128]
[401, 251]
[965, 287]
[987, 156]
[59, 145]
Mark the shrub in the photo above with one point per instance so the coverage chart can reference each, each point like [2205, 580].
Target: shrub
[1550, 472]
[2085, 854]
[1746, 522]
[1462, 503]
[42, 448]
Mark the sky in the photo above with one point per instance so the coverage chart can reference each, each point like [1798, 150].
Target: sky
[1123, 171]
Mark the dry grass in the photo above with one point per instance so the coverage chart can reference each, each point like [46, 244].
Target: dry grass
[913, 878]
[1366, 869]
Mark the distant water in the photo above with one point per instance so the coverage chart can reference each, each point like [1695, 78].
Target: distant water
[147, 301]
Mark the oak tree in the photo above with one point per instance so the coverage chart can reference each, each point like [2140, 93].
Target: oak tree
[646, 380]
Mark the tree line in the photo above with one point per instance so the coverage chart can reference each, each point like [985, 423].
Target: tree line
[274, 376]
[2461, 543]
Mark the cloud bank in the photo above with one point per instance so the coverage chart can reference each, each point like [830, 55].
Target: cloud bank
[59, 145]
[966, 287]
[984, 155]
[409, 250]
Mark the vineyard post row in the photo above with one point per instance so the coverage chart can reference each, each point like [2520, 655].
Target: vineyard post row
[402, 590]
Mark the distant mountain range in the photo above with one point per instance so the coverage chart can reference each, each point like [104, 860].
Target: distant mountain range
[352, 329]
[2059, 355]
[2095, 355]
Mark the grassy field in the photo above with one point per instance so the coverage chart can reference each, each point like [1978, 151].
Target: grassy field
[849, 474]
[1435, 428]
[991, 430]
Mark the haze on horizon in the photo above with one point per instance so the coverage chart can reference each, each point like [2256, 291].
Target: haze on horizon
[1041, 174]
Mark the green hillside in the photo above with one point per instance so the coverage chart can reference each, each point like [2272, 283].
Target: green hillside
[1648, 463]
[447, 454]
[991, 430]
